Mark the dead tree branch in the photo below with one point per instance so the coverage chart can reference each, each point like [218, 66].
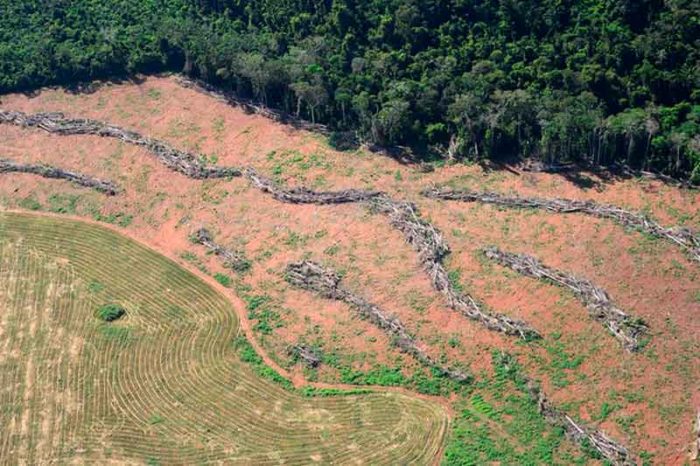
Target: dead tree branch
[625, 328]
[47, 171]
[681, 236]
[231, 259]
[56, 123]
[432, 248]
[325, 282]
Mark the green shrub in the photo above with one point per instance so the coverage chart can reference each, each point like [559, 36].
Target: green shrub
[110, 312]
[223, 279]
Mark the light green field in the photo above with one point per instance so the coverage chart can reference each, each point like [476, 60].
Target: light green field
[164, 384]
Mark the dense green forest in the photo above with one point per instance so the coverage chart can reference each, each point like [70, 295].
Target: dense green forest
[592, 81]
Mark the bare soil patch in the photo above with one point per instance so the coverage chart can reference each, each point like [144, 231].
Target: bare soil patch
[646, 400]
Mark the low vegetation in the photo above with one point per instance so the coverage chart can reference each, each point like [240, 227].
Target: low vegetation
[178, 384]
[111, 312]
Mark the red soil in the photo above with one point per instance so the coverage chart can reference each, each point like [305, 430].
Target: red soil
[657, 390]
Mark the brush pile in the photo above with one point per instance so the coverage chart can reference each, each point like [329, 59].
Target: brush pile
[625, 328]
[582, 434]
[681, 236]
[309, 355]
[325, 282]
[232, 260]
[56, 123]
[47, 171]
[431, 247]
[304, 195]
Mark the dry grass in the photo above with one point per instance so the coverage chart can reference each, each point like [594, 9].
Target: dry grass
[163, 384]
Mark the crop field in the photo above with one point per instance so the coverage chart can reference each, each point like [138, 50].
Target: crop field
[165, 382]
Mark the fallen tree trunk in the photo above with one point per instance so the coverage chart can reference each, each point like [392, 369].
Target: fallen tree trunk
[432, 248]
[311, 357]
[625, 328]
[325, 282]
[232, 260]
[681, 236]
[578, 432]
[47, 171]
[56, 123]
[304, 195]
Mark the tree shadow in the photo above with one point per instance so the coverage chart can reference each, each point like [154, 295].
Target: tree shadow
[85, 87]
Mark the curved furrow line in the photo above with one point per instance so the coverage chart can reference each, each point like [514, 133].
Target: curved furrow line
[174, 389]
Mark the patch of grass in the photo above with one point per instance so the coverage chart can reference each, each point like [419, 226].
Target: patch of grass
[223, 279]
[154, 94]
[248, 355]
[561, 363]
[417, 301]
[428, 382]
[218, 125]
[95, 286]
[192, 258]
[606, 409]
[119, 218]
[455, 278]
[29, 203]
[118, 335]
[333, 250]
[63, 203]
[295, 240]
[453, 342]
[500, 423]
[260, 308]
[156, 419]
[110, 312]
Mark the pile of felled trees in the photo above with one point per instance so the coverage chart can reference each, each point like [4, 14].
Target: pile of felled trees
[431, 247]
[231, 259]
[47, 171]
[628, 330]
[304, 195]
[578, 432]
[311, 356]
[325, 282]
[680, 236]
[180, 161]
